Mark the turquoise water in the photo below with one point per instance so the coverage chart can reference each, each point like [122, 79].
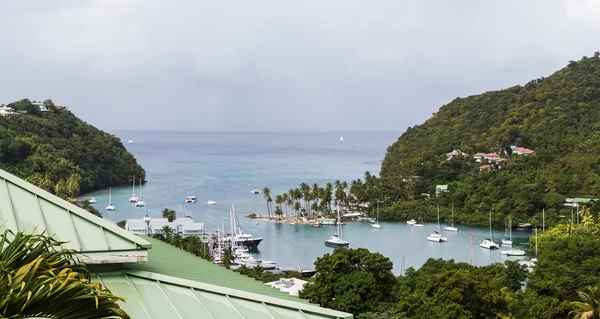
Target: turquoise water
[224, 167]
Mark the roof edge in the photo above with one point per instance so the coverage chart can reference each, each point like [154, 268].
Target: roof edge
[305, 307]
[74, 209]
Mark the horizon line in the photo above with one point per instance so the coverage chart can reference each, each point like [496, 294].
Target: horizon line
[262, 132]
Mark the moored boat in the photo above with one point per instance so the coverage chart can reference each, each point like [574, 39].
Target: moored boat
[211, 202]
[411, 222]
[513, 252]
[191, 199]
[93, 200]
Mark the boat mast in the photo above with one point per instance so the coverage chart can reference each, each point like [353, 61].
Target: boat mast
[110, 195]
[510, 226]
[339, 227]
[438, 212]
[536, 244]
[490, 225]
[134, 185]
[543, 219]
[452, 215]
[140, 189]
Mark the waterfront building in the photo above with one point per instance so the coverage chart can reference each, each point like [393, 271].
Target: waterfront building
[157, 280]
[155, 226]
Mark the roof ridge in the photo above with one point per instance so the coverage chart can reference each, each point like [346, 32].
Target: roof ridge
[73, 209]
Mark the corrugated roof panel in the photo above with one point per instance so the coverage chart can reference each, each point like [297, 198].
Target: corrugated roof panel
[219, 305]
[188, 303]
[151, 295]
[155, 299]
[24, 207]
[59, 227]
[120, 285]
[26, 210]
[90, 231]
[254, 309]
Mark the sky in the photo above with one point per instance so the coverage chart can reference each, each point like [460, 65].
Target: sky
[293, 66]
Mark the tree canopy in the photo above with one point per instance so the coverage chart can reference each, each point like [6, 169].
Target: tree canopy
[62, 154]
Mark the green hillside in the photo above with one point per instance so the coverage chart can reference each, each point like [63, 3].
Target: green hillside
[557, 117]
[61, 153]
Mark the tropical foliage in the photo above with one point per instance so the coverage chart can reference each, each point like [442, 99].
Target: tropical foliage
[40, 279]
[62, 154]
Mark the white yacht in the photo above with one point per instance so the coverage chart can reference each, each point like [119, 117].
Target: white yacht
[110, 206]
[133, 198]
[191, 199]
[374, 223]
[337, 240]
[437, 237]
[93, 200]
[140, 202]
[211, 202]
[451, 228]
[255, 191]
[513, 252]
[507, 240]
[411, 222]
[418, 224]
[488, 243]
[130, 141]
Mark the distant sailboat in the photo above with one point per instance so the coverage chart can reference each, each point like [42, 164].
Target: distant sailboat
[341, 138]
[133, 198]
[110, 206]
[140, 202]
[375, 223]
[451, 228]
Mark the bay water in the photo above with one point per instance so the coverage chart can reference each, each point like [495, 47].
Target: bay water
[225, 167]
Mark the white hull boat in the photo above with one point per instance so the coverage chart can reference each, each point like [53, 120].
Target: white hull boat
[93, 200]
[436, 237]
[451, 227]
[411, 222]
[191, 199]
[133, 198]
[513, 252]
[110, 207]
[140, 202]
[488, 244]
[211, 202]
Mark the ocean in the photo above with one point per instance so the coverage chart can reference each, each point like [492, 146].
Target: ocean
[225, 167]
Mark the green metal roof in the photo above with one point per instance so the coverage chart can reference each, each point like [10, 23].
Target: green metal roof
[25, 207]
[172, 261]
[155, 296]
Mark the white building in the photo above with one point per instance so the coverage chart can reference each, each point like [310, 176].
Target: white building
[6, 111]
[41, 105]
[183, 226]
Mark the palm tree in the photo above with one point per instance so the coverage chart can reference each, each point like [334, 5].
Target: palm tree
[278, 202]
[168, 232]
[227, 257]
[589, 306]
[586, 217]
[267, 196]
[297, 207]
[278, 211]
[169, 214]
[40, 279]
[288, 202]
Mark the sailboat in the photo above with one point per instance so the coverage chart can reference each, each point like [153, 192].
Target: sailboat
[255, 191]
[451, 228]
[110, 206]
[488, 243]
[436, 236]
[140, 202]
[507, 240]
[133, 198]
[336, 240]
[375, 223]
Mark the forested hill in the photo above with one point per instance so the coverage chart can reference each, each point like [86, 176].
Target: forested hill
[557, 117]
[61, 153]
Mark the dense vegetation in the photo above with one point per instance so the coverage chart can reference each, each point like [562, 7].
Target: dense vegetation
[565, 281]
[40, 279]
[62, 154]
[555, 116]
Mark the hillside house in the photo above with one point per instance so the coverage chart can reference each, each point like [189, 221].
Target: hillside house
[158, 280]
[455, 153]
[479, 157]
[441, 189]
[485, 167]
[6, 111]
[41, 106]
[521, 150]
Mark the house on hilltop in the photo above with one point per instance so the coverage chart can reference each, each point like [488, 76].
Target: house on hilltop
[6, 111]
[441, 189]
[521, 150]
[156, 279]
[455, 153]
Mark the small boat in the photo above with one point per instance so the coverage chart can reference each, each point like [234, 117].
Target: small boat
[191, 199]
[133, 198]
[93, 200]
[507, 240]
[140, 202]
[255, 191]
[317, 225]
[374, 223]
[110, 207]
[437, 237]
[341, 138]
[211, 202]
[256, 223]
[130, 141]
[418, 225]
[411, 222]
[337, 240]
[488, 243]
[451, 228]
[513, 252]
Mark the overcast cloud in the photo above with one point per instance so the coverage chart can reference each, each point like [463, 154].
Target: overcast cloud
[336, 65]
